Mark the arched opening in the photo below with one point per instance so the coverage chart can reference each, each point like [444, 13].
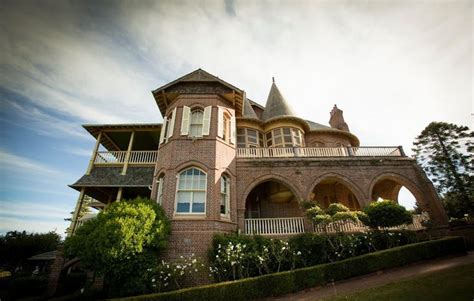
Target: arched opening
[271, 199]
[332, 190]
[391, 189]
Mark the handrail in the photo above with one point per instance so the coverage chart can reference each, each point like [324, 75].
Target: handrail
[312, 152]
[118, 157]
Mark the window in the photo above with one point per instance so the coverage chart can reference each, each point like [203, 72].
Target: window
[226, 129]
[195, 128]
[284, 137]
[159, 192]
[191, 196]
[225, 195]
[249, 138]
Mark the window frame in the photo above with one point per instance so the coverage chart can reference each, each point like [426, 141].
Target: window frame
[281, 133]
[159, 189]
[178, 190]
[258, 136]
[226, 195]
[193, 111]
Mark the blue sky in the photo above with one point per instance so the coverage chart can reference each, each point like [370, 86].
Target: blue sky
[392, 66]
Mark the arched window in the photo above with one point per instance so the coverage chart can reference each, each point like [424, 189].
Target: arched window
[195, 126]
[225, 195]
[191, 196]
[159, 191]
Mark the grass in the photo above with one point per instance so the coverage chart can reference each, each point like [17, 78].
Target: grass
[452, 284]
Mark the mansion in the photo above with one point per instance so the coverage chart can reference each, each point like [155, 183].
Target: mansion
[221, 162]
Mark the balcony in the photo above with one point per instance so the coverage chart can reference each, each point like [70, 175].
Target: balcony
[295, 225]
[119, 157]
[320, 152]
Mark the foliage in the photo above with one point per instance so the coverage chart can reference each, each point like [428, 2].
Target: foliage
[445, 151]
[122, 244]
[172, 275]
[16, 247]
[236, 256]
[85, 209]
[336, 214]
[290, 281]
[22, 287]
[385, 213]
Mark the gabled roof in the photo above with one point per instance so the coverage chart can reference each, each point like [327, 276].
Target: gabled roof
[198, 75]
[166, 94]
[276, 105]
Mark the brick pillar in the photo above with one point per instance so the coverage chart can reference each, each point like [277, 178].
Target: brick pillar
[55, 272]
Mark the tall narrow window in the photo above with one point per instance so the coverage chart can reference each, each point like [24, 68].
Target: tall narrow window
[226, 129]
[195, 128]
[225, 195]
[159, 192]
[191, 196]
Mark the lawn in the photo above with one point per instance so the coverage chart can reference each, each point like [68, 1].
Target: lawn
[452, 284]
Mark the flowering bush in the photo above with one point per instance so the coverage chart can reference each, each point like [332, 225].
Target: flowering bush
[172, 275]
[235, 257]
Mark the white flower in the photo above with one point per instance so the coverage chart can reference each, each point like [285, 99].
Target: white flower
[298, 253]
[196, 270]
[153, 280]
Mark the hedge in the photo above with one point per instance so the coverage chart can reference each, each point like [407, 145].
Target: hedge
[291, 281]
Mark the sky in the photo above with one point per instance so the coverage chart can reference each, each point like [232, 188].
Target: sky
[391, 66]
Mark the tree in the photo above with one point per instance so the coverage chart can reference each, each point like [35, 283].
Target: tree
[16, 247]
[445, 151]
[85, 208]
[122, 244]
[334, 214]
[385, 213]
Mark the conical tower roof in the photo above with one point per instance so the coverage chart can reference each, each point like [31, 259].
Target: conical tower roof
[248, 111]
[276, 104]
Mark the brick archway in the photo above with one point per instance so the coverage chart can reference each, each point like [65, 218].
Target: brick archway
[423, 191]
[271, 177]
[350, 185]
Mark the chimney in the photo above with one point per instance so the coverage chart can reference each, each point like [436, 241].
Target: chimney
[337, 120]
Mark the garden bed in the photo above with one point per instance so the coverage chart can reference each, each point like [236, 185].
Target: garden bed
[277, 284]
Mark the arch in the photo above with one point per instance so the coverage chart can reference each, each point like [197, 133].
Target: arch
[271, 177]
[272, 197]
[401, 181]
[343, 180]
[192, 163]
[191, 192]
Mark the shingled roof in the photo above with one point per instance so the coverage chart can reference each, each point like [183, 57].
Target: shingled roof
[247, 110]
[276, 105]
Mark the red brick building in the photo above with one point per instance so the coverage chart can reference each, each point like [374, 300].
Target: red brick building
[223, 163]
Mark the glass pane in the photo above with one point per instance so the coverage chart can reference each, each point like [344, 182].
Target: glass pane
[278, 141]
[182, 207]
[199, 197]
[286, 131]
[240, 132]
[198, 207]
[252, 133]
[182, 181]
[202, 182]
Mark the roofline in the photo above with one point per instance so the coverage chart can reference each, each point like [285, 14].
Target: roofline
[181, 78]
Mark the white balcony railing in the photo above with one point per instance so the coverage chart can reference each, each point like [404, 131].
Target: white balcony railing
[119, 157]
[290, 152]
[274, 226]
[295, 225]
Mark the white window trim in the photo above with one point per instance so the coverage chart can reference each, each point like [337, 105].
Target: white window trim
[185, 120]
[227, 201]
[159, 190]
[176, 213]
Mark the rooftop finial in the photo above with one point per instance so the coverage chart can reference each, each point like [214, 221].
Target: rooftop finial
[273, 79]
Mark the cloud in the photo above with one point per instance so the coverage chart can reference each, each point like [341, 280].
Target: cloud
[41, 122]
[21, 164]
[76, 151]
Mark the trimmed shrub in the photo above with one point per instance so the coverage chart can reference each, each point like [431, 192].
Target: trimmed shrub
[384, 214]
[287, 282]
[22, 287]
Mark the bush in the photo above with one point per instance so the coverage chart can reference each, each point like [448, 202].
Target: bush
[386, 213]
[122, 244]
[235, 256]
[291, 281]
[22, 287]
